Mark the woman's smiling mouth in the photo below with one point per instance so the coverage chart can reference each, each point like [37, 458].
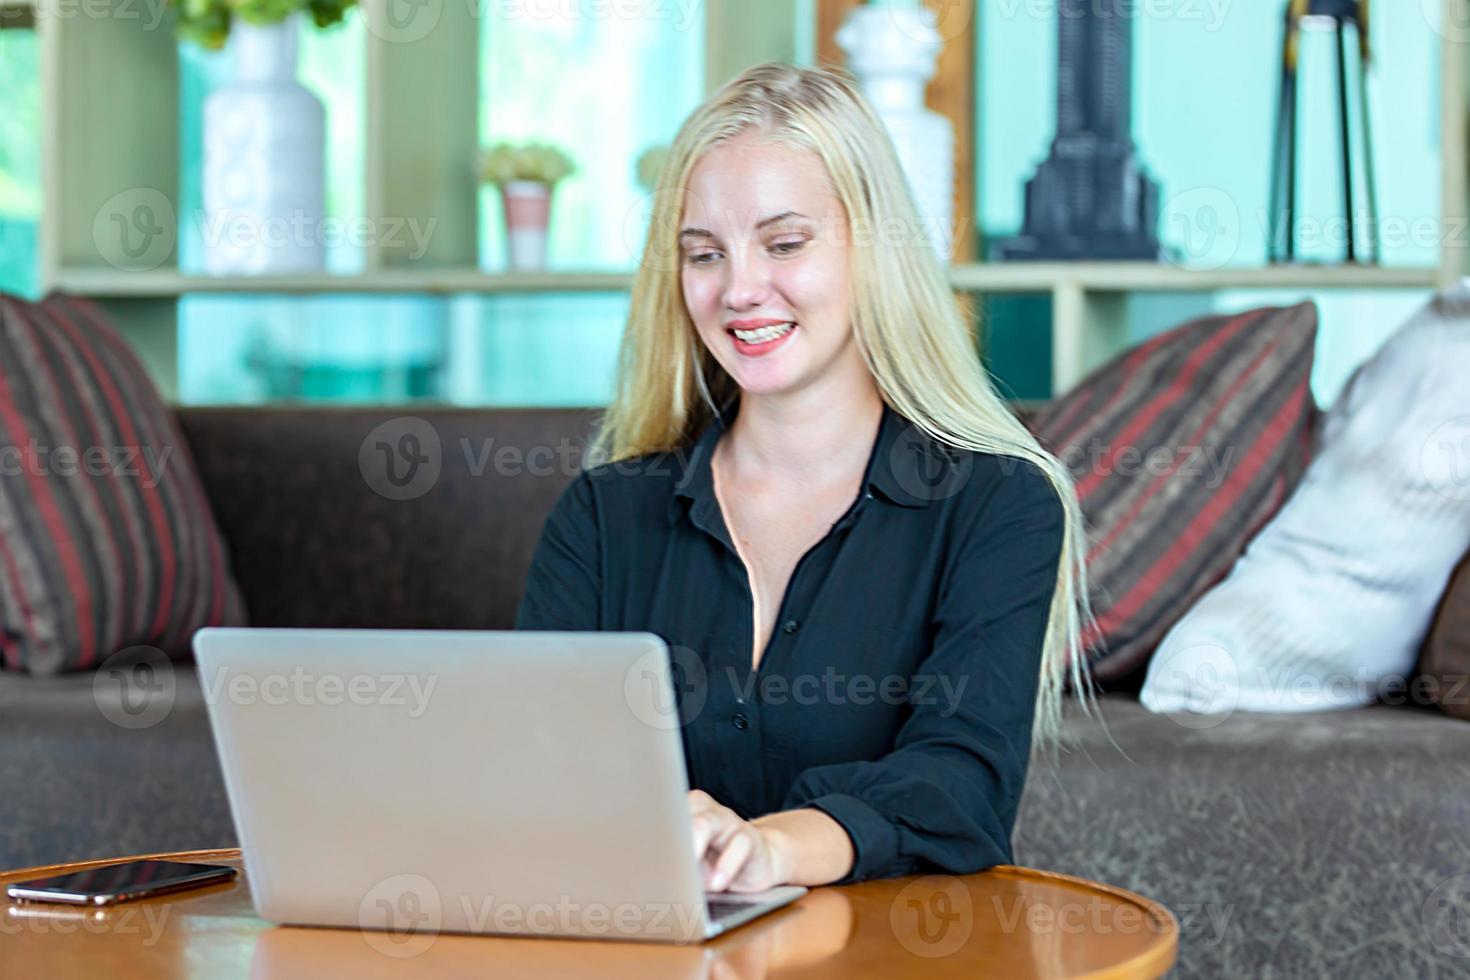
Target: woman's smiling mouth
[755, 338]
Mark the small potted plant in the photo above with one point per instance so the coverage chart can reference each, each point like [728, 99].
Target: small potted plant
[264, 134]
[526, 174]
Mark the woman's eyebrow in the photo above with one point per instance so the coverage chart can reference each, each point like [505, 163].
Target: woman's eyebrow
[706, 233]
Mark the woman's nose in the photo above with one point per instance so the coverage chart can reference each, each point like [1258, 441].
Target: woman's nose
[748, 281]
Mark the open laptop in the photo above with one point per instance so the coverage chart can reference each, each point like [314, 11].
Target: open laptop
[500, 782]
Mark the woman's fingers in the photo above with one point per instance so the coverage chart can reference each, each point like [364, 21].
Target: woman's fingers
[708, 819]
[736, 849]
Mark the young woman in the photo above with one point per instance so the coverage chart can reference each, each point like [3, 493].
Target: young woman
[867, 570]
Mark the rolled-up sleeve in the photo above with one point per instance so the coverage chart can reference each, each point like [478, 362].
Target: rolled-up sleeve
[945, 798]
[564, 585]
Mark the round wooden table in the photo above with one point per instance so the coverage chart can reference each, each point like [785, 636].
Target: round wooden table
[1007, 922]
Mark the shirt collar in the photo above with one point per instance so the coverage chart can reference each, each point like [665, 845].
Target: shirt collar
[900, 466]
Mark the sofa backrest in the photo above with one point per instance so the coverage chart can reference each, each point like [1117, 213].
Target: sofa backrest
[320, 536]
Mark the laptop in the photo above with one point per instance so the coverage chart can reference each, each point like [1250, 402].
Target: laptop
[511, 783]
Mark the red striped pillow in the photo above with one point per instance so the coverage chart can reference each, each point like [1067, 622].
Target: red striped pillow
[106, 538]
[1182, 448]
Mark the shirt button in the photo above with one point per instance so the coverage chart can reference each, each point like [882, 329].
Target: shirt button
[740, 722]
[791, 626]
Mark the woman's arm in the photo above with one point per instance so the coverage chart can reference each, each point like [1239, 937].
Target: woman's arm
[564, 585]
[945, 798]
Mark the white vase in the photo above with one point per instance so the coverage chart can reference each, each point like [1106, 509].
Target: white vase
[893, 52]
[264, 179]
[526, 205]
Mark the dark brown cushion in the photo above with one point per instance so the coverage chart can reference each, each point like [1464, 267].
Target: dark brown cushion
[1445, 659]
[1182, 448]
[106, 539]
[323, 537]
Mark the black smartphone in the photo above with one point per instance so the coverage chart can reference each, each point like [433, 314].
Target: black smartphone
[115, 883]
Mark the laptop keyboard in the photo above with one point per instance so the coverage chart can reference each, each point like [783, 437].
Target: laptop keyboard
[722, 909]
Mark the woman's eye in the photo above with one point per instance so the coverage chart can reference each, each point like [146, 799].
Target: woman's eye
[788, 247]
[702, 258]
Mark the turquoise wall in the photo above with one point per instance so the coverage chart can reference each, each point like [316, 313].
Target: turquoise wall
[1204, 96]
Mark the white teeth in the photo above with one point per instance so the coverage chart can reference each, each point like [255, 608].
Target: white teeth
[763, 334]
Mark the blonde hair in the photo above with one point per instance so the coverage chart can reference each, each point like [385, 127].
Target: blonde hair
[916, 339]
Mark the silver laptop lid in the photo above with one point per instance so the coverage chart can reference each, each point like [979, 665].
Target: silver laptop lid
[510, 782]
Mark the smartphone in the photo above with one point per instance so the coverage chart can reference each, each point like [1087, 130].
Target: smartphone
[115, 883]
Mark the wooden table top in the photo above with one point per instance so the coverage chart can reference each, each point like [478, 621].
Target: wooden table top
[1007, 922]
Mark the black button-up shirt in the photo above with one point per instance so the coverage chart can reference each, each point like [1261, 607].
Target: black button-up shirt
[898, 689]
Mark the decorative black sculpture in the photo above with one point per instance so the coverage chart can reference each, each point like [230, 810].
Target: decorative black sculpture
[1281, 235]
[1090, 199]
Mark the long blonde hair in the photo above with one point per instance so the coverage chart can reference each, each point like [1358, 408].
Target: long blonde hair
[915, 338]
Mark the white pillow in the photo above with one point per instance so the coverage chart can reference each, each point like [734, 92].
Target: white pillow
[1331, 600]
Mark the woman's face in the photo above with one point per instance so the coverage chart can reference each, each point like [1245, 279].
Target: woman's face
[763, 248]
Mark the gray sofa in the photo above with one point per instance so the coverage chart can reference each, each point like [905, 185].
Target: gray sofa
[1287, 846]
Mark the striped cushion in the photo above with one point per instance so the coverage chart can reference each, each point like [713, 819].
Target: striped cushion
[1182, 448]
[106, 539]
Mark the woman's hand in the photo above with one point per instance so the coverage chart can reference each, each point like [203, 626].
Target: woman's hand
[734, 854]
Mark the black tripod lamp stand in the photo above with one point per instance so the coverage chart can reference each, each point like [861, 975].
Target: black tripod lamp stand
[1281, 234]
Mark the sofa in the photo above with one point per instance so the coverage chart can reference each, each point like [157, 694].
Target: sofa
[1286, 845]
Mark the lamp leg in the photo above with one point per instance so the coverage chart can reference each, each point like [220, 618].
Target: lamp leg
[1371, 189]
[1347, 143]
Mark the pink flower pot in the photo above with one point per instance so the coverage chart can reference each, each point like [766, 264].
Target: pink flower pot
[527, 208]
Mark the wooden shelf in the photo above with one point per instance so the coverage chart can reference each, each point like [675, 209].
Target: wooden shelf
[1011, 277]
[1146, 277]
[164, 284]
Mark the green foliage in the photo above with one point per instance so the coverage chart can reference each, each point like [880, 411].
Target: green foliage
[207, 22]
[527, 161]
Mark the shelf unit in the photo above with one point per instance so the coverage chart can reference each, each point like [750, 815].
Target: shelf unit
[102, 139]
